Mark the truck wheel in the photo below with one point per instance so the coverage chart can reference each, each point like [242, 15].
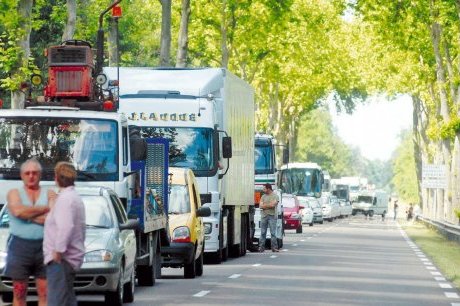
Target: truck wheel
[189, 269]
[311, 224]
[299, 229]
[371, 213]
[116, 297]
[199, 264]
[225, 254]
[146, 275]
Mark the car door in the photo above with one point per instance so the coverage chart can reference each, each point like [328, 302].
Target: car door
[127, 241]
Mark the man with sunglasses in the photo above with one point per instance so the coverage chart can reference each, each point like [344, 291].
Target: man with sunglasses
[27, 207]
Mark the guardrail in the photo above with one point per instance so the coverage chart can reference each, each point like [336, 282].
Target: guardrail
[450, 231]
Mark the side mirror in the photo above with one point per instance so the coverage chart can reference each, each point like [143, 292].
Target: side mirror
[130, 224]
[227, 147]
[301, 207]
[203, 211]
[285, 155]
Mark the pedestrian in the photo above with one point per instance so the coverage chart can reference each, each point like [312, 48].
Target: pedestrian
[64, 239]
[27, 207]
[395, 209]
[410, 212]
[267, 205]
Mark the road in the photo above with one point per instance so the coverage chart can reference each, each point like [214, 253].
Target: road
[354, 261]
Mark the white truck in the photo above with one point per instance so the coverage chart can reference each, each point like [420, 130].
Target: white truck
[266, 172]
[371, 203]
[195, 109]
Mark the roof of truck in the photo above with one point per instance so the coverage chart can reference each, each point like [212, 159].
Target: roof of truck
[195, 82]
[301, 166]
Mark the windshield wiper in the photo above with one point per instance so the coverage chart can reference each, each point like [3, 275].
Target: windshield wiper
[97, 226]
[86, 174]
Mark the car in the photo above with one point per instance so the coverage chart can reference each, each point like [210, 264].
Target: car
[109, 264]
[345, 207]
[292, 213]
[315, 206]
[307, 214]
[186, 228]
[330, 207]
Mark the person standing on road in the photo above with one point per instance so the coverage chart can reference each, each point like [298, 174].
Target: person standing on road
[395, 209]
[267, 205]
[64, 239]
[27, 207]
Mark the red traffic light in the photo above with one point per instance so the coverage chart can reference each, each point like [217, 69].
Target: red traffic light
[116, 11]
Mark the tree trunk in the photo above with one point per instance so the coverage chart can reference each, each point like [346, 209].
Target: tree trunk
[69, 30]
[112, 40]
[181, 60]
[24, 9]
[223, 29]
[417, 139]
[165, 46]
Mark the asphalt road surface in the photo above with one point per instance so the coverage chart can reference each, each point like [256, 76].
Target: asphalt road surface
[353, 261]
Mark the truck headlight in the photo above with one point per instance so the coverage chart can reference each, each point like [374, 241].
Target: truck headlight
[207, 228]
[98, 256]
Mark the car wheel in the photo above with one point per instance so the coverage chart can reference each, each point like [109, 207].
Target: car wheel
[189, 269]
[311, 224]
[199, 264]
[7, 297]
[115, 298]
[299, 229]
[128, 296]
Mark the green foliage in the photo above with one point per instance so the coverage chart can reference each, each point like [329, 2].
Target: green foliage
[457, 213]
[405, 178]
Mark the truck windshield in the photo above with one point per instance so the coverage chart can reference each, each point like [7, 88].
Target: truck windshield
[91, 145]
[263, 158]
[188, 147]
[365, 199]
[302, 182]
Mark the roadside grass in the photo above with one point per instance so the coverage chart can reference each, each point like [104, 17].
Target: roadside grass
[444, 253]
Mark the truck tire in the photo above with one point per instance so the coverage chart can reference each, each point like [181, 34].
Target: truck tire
[146, 275]
[371, 213]
[189, 269]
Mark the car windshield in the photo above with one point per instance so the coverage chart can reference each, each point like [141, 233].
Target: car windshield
[288, 202]
[179, 201]
[91, 145]
[188, 148]
[97, 212]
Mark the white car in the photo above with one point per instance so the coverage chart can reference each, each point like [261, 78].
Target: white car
[330, 208]
[345, 208]
[307, 214]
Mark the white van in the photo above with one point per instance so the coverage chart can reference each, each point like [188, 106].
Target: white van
[371, 203]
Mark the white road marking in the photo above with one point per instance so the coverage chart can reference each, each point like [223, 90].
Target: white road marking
[295, 244]
[436, 273]
[309, 237]
[455, 304]
[421, 255]
[428, 263]
[440, 279]
[273, 256]
[445, 285]
[452, 295]
[234, 276]
[431, 268]
[201, 293]
[285, 250]
[257, 265]
[303, 240]
[424, 259]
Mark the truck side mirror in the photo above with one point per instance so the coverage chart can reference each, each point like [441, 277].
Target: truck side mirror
[203, 211]
[285, 155]
[227, 147]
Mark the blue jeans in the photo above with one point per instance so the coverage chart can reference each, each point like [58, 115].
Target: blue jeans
[60, 277]
[268, 221]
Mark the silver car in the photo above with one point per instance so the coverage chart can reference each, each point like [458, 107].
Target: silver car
[109, 262]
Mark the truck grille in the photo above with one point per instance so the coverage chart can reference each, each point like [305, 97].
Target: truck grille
[69, 81]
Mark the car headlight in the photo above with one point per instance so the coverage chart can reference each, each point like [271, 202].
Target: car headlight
[98, 256]
[2, 260]
[181, 234]
[207, 228]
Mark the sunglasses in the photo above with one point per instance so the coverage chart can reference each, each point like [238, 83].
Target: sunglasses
[34, 173]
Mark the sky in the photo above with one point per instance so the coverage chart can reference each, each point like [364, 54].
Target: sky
[374, 126]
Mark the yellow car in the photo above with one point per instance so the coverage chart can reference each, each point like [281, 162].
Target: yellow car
[185, 225]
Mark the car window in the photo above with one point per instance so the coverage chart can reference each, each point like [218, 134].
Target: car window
[119, 210]
[97, 212]
[179, 202]
[288, 202]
